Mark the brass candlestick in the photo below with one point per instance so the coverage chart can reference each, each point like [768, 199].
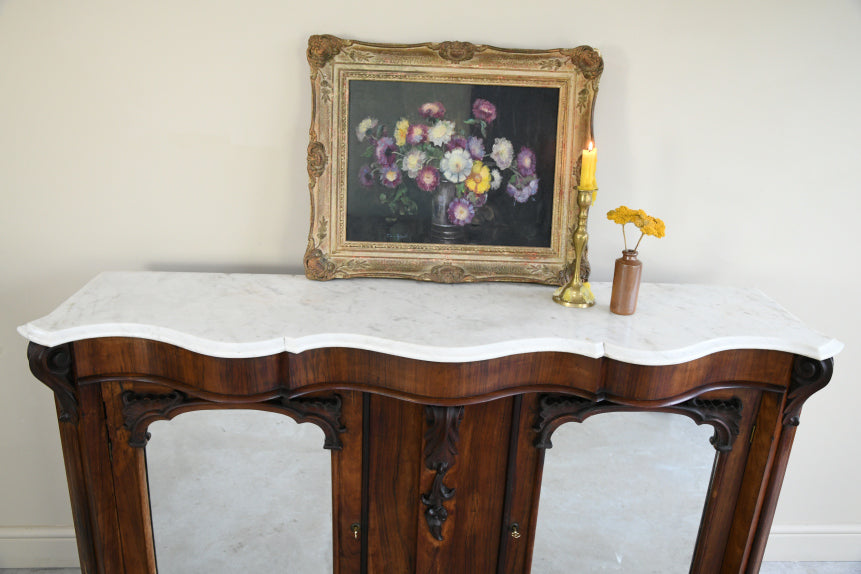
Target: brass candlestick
[576, 293]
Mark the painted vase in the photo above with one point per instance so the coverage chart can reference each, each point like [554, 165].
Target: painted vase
[443, 231]
[626, 283]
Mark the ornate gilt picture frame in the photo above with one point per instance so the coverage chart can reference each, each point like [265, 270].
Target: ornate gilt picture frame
[448, 162]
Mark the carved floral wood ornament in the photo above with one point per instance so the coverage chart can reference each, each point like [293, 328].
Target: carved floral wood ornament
[352, 234]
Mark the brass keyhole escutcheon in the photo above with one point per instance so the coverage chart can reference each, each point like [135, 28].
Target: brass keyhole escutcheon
[515, 531]
[355, 529]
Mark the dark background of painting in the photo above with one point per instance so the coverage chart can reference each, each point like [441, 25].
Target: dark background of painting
[526, 116]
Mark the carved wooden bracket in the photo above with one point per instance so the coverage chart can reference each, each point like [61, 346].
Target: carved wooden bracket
[440, 452]
[556, 409]
[53, 366]
[141, 409]
[808, 376]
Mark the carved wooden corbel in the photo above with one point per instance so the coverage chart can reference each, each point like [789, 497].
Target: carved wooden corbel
[142, 409]
[808, 376]
[556, 409]
[53, 366]
[325, 412]
[440, 452]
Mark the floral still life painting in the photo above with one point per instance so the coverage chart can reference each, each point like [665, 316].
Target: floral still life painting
[454, 170]
[450, 162]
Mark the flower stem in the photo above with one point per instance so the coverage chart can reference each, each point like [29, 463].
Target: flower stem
[624, 237]
[642, 235]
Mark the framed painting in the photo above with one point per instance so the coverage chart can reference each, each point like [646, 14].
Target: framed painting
[448, 162]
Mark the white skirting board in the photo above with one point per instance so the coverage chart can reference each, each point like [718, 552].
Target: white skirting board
[54, 546]
[814, 543]
[38, 547]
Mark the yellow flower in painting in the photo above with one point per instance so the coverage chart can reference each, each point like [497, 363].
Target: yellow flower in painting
[401, 129]
[478, 180]
[647, 224]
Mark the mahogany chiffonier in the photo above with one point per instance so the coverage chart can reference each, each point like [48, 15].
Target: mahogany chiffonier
[457, 387]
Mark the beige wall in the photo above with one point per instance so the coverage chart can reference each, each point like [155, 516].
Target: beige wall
[172, 135]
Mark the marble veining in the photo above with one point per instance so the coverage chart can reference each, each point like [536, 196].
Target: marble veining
[240, 315]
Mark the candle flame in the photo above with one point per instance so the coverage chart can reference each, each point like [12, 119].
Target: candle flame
[591, 145]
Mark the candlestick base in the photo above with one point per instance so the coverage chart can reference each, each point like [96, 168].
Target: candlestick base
[575, 295]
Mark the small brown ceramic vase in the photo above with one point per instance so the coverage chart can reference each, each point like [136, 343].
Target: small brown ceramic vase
[626, 283]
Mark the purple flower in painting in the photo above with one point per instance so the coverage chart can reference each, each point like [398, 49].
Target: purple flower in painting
[456, 142]
[366, 178]
[483, 110]
[391, 176]
[428, 178]
[475, 146]
[532, 187]
[520, 195]
[385, 151]
[526, 162]
[460, 211]
[416, 134]
[433, 110]
[477, 200]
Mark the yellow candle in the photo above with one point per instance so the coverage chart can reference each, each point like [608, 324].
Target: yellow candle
[587, 168]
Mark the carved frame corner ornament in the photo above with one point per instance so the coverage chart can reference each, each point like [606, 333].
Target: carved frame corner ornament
[321, 49]
[808, 376]
[588, 60]
[556, 409]
[440, 452]
[142, 409]
[54, 366]
[335, 63]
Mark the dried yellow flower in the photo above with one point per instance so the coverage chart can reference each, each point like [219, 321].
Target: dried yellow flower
[621, 215]
[653, 226]
[647, 224]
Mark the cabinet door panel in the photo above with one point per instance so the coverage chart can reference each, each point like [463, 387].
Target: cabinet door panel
[394, 465]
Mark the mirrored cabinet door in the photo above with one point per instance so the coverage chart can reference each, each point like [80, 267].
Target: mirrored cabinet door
[239, 491]
[623, 492]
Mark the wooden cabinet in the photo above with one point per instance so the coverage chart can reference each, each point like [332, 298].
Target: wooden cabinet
[430, 472]
[436, 466]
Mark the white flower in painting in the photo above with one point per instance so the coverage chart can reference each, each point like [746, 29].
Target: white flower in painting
[495, 179]
[456, 165]
[414, 161]
[503, 153]
[440, 133]
[364, 126]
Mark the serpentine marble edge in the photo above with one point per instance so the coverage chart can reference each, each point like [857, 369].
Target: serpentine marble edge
[240, 315]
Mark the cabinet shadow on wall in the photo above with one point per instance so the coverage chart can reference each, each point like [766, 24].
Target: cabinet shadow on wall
[239, 491]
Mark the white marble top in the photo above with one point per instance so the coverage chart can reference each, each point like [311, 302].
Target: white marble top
[227, 315]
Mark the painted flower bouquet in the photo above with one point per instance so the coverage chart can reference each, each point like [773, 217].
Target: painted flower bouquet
[433, 151]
